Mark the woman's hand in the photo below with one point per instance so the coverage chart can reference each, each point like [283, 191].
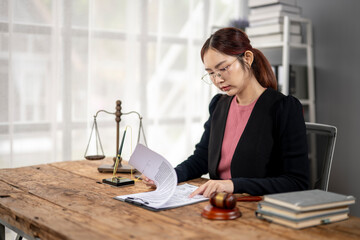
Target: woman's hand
[148, 181]
[214, 186]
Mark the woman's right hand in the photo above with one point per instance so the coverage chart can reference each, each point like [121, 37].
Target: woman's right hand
[148, 181]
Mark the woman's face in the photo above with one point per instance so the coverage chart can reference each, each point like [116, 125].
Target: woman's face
[226, 72]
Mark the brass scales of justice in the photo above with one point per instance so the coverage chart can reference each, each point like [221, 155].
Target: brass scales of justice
[117, 166]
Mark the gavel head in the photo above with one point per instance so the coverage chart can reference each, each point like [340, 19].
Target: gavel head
[223, 200]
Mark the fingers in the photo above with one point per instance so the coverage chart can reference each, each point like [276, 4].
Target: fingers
[148, 181]
[145, 179]
[202, 189]
[199, 190]
[214, 186]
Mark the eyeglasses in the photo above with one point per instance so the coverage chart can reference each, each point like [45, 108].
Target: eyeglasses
[209, 78]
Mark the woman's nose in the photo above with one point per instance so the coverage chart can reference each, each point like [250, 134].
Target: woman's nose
[218, 78]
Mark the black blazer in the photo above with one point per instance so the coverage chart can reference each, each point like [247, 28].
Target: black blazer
[271, 155]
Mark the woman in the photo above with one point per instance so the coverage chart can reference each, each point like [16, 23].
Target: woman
[255, 138]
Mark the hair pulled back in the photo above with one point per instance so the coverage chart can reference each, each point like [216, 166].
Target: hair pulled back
[234, 42]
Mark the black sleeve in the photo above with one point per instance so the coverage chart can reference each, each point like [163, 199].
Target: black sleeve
[291, 136]
[197, 164]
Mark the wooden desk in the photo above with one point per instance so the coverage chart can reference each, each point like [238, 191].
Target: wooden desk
[67, 200]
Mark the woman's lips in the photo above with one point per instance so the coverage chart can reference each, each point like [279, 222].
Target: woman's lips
[225, 88]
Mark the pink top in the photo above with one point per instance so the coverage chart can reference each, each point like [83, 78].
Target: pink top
[237, 119]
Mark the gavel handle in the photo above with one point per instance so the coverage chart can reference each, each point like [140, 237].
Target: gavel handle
[249, 198]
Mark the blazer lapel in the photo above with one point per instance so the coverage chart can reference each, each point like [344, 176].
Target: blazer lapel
[217, 129]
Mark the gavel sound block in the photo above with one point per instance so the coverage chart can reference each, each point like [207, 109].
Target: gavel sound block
[222, 207]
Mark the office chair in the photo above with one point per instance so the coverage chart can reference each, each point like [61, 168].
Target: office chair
[321, 145]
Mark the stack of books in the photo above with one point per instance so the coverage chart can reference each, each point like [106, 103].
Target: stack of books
[303, 209]
[266, 21]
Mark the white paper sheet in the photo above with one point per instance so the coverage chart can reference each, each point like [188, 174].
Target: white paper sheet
[157, 168]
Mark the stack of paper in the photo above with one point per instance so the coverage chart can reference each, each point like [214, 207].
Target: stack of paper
[167, 194]
[304, 208]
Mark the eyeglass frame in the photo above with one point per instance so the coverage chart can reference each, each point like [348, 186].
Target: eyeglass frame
[214, 74]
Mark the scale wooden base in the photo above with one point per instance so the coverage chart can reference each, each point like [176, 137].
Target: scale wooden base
[105, 168]
[214, 213]
[117, 182]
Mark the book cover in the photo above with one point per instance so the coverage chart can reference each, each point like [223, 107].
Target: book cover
[303, 218]
[271, 29]
[258, 3]
[265, 207]
[304, 223]
[309, 200]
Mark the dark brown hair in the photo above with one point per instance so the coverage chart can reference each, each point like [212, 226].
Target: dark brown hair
[235, 42]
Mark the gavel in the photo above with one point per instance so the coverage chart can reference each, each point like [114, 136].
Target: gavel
[223, 200]
[222, 207]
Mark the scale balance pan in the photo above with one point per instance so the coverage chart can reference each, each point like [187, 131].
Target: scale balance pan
[95, 157]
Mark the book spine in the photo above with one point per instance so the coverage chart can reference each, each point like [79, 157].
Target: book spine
[258, 17]
[273, 38]
[271, 29]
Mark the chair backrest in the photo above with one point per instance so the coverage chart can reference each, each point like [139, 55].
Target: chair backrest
[321, 144]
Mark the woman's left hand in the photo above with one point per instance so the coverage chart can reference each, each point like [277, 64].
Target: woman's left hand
[214, 186]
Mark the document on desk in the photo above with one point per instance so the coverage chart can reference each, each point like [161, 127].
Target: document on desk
[167, 194]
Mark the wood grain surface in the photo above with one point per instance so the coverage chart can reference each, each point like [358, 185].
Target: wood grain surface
[67, 200]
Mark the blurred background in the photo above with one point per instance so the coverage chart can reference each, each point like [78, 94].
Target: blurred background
[63, 60]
